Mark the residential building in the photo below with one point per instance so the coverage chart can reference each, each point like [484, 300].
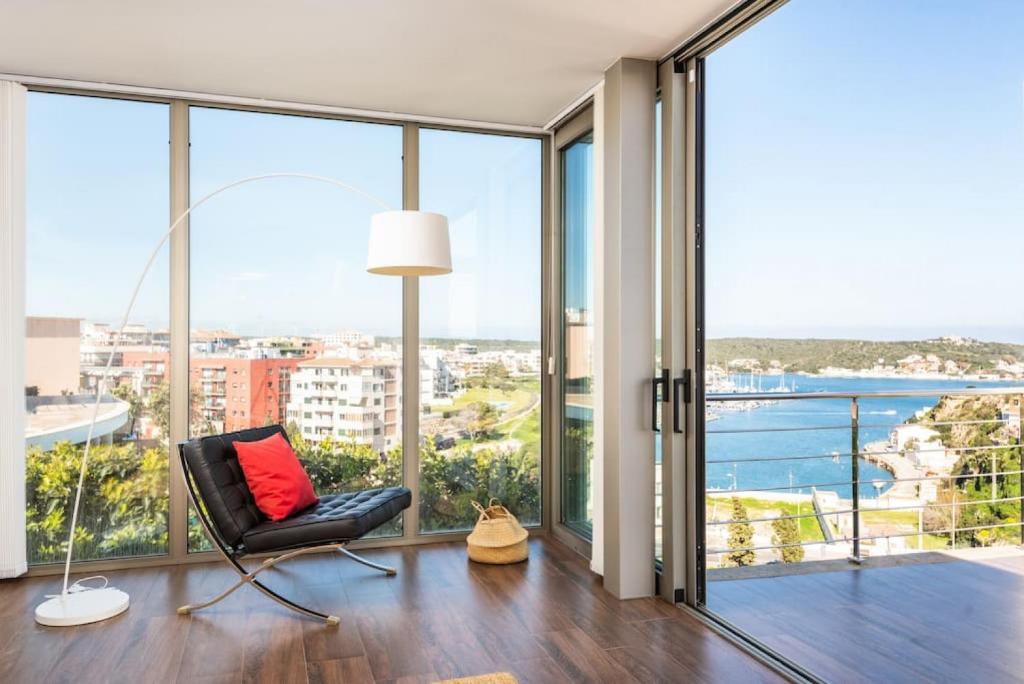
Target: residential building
[437, 382]
[51, 355]
[237, 393]
[347, 400]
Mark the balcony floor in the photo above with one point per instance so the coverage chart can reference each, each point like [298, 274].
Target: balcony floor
[547, 620]
[925, 619]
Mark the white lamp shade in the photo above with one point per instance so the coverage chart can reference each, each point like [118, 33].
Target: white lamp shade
[409, 243]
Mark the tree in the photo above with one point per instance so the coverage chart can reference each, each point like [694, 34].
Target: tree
[450, 481]
[981, 514]
[483, 418]
[158, 405]
[124, 513]
[125, 393]
[741, 536]
[787, 532]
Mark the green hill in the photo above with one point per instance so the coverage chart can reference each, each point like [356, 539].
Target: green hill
[813, 355]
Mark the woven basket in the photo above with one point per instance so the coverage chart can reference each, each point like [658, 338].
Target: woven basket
[497, 538]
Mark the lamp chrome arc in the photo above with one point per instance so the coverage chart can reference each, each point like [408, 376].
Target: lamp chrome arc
[101, 383]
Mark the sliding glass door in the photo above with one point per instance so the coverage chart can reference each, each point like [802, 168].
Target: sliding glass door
[577, 369]
[574, 316]
[859, 393]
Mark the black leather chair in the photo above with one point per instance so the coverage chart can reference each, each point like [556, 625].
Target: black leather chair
[238, 528]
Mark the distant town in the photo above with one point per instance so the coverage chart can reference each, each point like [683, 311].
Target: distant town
[939, 358]
[344, 385]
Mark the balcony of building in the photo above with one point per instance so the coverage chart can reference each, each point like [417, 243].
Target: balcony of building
[898, 557]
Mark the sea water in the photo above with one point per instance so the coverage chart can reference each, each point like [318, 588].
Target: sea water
[813, 427]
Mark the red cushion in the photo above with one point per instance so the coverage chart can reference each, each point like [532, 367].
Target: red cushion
[276, 478]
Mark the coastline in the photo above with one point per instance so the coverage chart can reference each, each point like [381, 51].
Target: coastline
[895, 375]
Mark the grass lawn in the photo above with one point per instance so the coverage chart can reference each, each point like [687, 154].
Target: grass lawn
[907, 520]
[527, 430]
[524, 428]
[517, 400]
[757, 508]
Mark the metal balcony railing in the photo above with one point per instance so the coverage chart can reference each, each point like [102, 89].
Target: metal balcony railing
[854, 508]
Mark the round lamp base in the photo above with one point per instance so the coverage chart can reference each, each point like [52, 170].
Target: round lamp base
[82, 607]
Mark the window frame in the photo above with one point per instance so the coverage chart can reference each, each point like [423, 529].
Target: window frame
[569, 132]
[178, 190]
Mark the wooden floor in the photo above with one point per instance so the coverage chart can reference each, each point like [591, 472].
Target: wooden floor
[935, 622]
[547, 620]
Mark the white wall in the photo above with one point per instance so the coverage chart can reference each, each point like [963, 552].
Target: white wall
[627, 316]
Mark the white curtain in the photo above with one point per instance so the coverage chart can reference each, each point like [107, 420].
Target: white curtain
[13, 560]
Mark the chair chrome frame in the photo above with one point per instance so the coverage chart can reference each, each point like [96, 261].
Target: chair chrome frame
[249, 577]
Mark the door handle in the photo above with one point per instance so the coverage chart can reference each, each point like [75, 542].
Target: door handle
[680, 386]
[662, 382]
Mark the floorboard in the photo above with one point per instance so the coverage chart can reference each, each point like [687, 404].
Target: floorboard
[546, 620]
[927, 622]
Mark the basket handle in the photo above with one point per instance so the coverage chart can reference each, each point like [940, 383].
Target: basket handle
[508, 513]
[481, 509]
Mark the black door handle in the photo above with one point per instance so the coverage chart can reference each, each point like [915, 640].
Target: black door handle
[662, 382]
[680, 385]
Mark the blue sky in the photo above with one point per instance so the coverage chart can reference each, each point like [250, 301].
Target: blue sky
[281, 256]
[865, 179]
[866, 171]
[97, 204]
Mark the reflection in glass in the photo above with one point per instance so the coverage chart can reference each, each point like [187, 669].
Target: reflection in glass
[577, 451]
[480, 362]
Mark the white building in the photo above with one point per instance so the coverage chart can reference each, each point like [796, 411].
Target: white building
[922, 447]
[348, 400]
[437, 382]
[474, 363]
[348, 338]
[105, 334]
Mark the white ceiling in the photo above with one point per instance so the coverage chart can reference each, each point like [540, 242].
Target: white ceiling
[512, 62]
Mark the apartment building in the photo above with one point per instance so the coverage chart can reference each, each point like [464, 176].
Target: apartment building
[154, 367]
[240, 393]
[51, 355]
[437, 382]
[348, 400]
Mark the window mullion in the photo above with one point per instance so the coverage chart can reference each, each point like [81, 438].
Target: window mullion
[411, 341]
[179, 327]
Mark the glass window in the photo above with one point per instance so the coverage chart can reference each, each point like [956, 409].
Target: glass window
[279, 283]
[577, 448]
[480, 365]
[861, 241]
[97, 207]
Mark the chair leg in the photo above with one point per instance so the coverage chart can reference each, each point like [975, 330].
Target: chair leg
[186, 609]
[391, 572]
[331, 620]
[250, 578]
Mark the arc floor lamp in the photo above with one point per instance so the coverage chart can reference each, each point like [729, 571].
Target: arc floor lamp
[402, 243]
